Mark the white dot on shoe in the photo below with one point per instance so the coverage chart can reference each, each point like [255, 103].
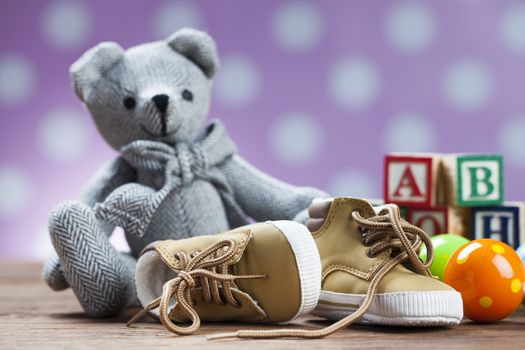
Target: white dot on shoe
[512, 28]
[238, 82]
[467, 85]
[296, 139]
[171, 16]
[354, 183]
[66, 24]
[354, 83]
[62, 135]
[410, 27]
[17, 79]
[409, 132]
[511, 140]
[16, 188]
[297, 27]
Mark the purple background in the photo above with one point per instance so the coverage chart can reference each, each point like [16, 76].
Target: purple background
[446, 76]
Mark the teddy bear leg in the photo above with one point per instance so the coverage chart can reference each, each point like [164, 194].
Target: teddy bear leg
[53, 274]
[100, 276]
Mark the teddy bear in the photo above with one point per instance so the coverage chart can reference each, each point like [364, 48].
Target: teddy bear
[176, 175]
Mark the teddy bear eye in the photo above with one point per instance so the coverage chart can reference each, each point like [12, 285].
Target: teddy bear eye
[187, 95]
[129, 102]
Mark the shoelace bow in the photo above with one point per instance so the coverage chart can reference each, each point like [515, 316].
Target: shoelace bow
[201, 266]
[387, 230]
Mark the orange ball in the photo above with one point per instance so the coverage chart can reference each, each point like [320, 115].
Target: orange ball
[489, 275]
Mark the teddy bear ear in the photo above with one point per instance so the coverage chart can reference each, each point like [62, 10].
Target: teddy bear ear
[92, 65]
[198, 47]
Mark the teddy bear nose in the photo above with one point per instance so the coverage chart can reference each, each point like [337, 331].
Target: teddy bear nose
[161, 102]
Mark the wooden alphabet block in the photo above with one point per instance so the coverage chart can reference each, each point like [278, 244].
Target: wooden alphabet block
[411, 179]
[505, 223]
[438, 220]
[472, 180]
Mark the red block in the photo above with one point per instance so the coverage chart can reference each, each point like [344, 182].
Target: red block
[411, 180]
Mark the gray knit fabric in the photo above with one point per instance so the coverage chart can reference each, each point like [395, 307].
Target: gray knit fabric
[133, 205]
[173, 179]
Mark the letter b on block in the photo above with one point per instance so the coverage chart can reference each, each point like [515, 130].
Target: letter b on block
[480, 180]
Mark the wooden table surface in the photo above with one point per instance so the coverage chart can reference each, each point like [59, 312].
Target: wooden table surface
[34, 317]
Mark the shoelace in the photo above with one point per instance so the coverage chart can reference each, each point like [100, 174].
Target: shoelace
[201, 266]
[381, 232]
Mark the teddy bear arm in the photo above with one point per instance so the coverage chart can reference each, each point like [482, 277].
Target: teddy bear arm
[110, 176]
[263, 197]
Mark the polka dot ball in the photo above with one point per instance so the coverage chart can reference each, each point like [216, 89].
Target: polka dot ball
[489, 275]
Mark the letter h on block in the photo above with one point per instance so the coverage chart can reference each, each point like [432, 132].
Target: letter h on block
[410, 179]
[504, 223]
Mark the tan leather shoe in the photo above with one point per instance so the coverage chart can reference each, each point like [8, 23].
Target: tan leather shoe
[371, 272]
[268, 272]
[369, 251]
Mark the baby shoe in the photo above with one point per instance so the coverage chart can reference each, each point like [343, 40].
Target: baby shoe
[370, 264]
[267, 272]
[371, 273]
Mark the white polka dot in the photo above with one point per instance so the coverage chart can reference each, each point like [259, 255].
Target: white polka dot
[511, 141]
[297, 26]
[66, 24]
[467, 85]
[17, 79]
[354, 83]
[118, 240]
[171, 16]
[410, 27]
[42, 246]
[354, 183]
[409, 132]
[512, 28]
[296, 139]
[62, 135]
[238, 82]
[16, 188]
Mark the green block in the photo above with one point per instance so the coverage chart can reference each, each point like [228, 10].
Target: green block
[479, 180]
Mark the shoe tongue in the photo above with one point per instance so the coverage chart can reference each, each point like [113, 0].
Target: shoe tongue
[167, 249]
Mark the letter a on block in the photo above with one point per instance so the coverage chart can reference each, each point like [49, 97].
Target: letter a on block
[408, 180]
[479, 180]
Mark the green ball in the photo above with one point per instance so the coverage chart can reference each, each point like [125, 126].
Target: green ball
[444, 246]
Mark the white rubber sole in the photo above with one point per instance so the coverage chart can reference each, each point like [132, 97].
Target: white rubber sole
[439, 308]
[308, 263]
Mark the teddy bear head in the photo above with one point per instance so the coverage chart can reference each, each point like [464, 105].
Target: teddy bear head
[156, 91]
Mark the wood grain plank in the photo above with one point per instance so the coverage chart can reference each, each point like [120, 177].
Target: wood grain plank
[34, 317]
